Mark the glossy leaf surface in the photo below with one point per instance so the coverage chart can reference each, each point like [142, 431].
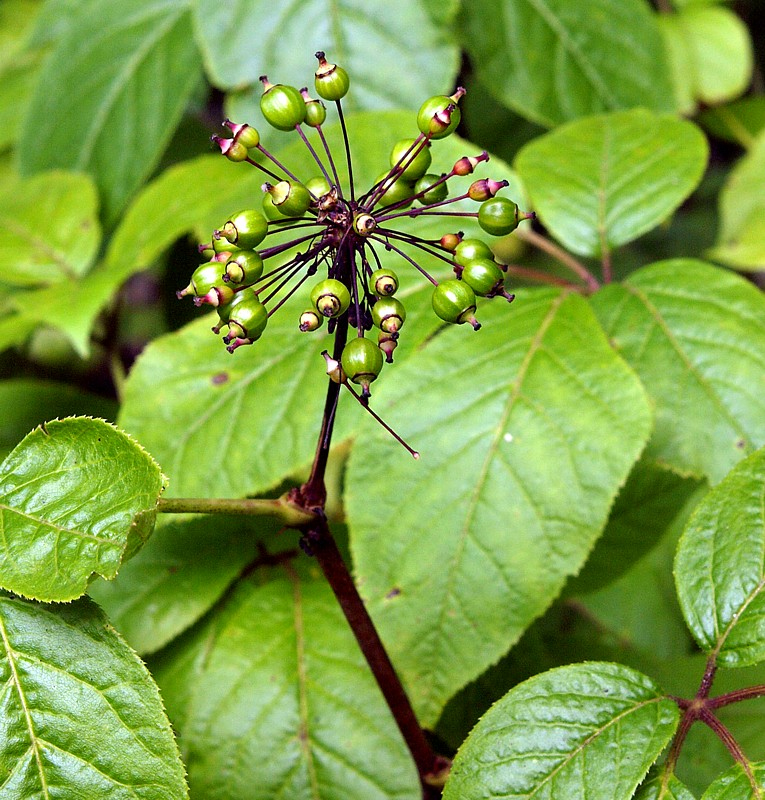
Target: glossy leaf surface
[601, 182]
[403, 32]
[49, 230]
[735, 784]
[660, 789]
[584, 731]
[76, 498]
[282, 691]
[81, 715]
[719, 568]
[695, 335]
[111, 93]
[532, 425]
[550, 60]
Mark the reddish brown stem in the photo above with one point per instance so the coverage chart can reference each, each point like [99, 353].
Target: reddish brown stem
[737, 696]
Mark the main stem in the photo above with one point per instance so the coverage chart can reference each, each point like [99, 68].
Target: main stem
[319, 542]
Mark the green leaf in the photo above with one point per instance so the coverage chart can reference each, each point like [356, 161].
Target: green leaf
[284, 693]
[739, 122]
[81, 714]
[180, 574]
[719, 568]
[584, 731]
[646, 507]
[395, 54]
[550, 60]
[28, 402]
[601, 182]
[741, 241]
[111, 94]
[660, 788]
[695, 335]
[679, 56]
[735, 784]
[532, 425]
[49, 230]
[720, 52]
[77, 496]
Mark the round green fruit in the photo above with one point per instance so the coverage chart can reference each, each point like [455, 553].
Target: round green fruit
[246, 267]
[454, 301]
[383, 282]
[362, 361]
[331, 82]
[388, 314]
[437, 194]
[330, 297]
[470, 249]
[412, 166]
[483, 276]
[498, 216]
[282, 106]
[246, 229]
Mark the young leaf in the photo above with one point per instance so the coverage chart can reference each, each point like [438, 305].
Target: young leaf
[719, 567]
[81, 714]
[110, 111]
[695, 335]
[551, 62]
[735, 784]
[77, 496]
[402, 31]
[49, 230]
[738, 122]
[180, 574]
[531, 428]
[283, 693]
[583, 731]
[601, 182]
[741, 241]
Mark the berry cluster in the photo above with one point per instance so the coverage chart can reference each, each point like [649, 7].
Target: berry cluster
[342, 233]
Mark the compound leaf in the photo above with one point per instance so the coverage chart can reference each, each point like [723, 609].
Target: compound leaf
[77, 496]
[81, 715]
[720, 567]
[532, 426]
[601, 182]
[583, 731]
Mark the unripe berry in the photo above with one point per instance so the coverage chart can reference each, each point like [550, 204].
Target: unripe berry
[310, 320]
[282, 106]
[331, 82]
[243, 134]
[331, 297]
[439, 116]
[315, 111]
[449, 241]
[290, 197]
[204, 278]
[362, 361]
[412, 166]
[270, 211]
[466, 164]
[388, 314]
[246, 267]
[246, 229]
[246, 322]
[318, 186]
[398, 191]
[438, 193]
[387, 342]
[483, 276]
[383, 282]
[233, 150]
[499, 216]
[364, 224]
[454, 301]
[485, 188]
[470, 249]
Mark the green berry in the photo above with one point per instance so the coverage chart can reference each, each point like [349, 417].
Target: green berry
[315, 111]
[233, 150]
[388, 314]
[362, 361]
[330, 297]
[331, 82]
[243, 134]
[499, 216]
[470, 249]
[246, 267]
[222, 245]
[454, 301]
[413, 166]
[290, 197]
[247, 321]
[383, 282]
[203, 279]
[434, 195]
[483, 276]
[246, 229]
[387, 342]
[398, 191]
[310, 320]
[270, 211]
[439, 116]
[364, 224]
[282, 106]
[318, 186]
[449, 241]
